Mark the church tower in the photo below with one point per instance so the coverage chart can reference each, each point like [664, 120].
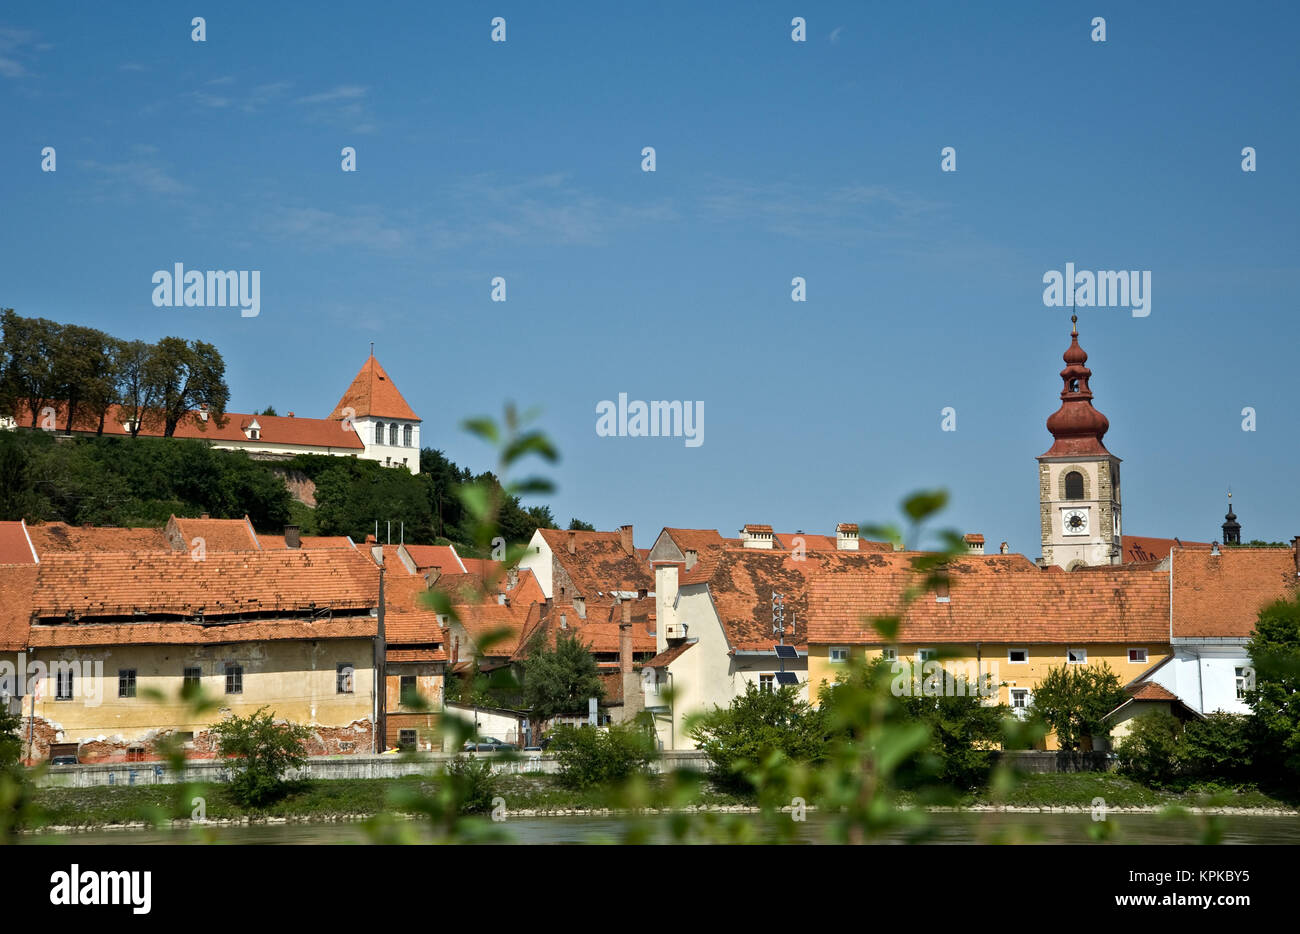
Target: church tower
[1078, 479]
[1231, 527]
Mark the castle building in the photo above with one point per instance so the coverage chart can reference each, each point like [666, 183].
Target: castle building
[1078, 479]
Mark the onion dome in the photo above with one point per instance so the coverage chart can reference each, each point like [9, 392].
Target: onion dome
[1076, 426]
[1231, 527]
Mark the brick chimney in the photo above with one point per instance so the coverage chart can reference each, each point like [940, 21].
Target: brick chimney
[573, 542]
[291, 537]
[625, 539]
[1295, 551]
[633, 689]
[846, 537]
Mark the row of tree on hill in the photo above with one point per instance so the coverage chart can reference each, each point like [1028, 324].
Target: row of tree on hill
[44, 364]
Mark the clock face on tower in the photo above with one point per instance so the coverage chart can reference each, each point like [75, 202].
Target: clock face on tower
[1076, 522]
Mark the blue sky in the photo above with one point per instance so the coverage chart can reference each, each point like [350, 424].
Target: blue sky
[775, 159]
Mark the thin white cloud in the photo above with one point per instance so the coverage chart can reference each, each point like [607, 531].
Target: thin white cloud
[15, 46]
[135, 174]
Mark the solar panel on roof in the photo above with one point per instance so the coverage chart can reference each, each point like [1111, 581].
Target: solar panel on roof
[785, 651]
[787, 677]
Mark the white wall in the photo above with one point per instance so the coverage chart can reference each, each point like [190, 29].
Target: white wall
[538, 560]
[1204, 676]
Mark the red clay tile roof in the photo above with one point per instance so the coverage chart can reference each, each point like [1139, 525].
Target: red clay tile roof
[234, 583]
[599, 564]
[352, 627]
[667, 656]
[275, 429]
[994, 598]
[1221, 596]
[17, 586]
[407, 617]
[57, 537]
[217, 534]
[276, 542]
[417, 655]
[15, 546]
[372, 393]
[1139, 549]
[599, 631]
[502, 623]
[1150, 691]
[437, 556]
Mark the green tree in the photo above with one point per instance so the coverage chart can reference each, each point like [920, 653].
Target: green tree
[590, 758]
[1073, 700]
[756, 725]
[184, 375]
[265, 750]
[1218, 748]
[559, 680]
[139, 395]
[30, 354]
[577, 525]
[1152, 752]
[1274, 649]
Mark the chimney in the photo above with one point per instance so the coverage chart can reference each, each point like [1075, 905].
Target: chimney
[1003, 549]
[203, 411]
[846, 537]
[580, 604]
[573, 542]
[291, 537]
[625, 539]
[431, 577]
[291, 415]
[974, 543]
[1295, 550]
[625, 641]
[757, 536]
[205, 516]
[455, 650]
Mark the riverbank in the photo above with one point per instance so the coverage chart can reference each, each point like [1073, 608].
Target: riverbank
[67, 810]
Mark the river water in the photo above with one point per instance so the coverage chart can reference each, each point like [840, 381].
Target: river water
[945, 827]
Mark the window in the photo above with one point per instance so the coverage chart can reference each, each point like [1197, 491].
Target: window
[343, 680]
[1245, 681]
[126, 682]
[406, 739]
[410, 695]
[407, 432]
[839, 654]
[1076, 656]
[135, 754]
[925, 655]
[63, 684]
[190, 679]
[1074, 485]
[889, 655]
[767, 683]
[1137, 656]
[234, 679]
[1019, 700]
[392, 434]
[1017, 656]
[379, 432]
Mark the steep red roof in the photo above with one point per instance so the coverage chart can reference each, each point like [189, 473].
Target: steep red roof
[350, 627]
[59, 537]
[216, 534]
[1139, 549]
[17, 587]
[15, 546]
[599, 563]
[1150, 691]
[274, 542]
[993, 598]
[1220, 596]
[372, 393]
[436, 556]
[667, 656]
[599, 631]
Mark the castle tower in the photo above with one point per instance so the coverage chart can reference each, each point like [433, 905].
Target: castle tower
[376, 411]
[1078, 479]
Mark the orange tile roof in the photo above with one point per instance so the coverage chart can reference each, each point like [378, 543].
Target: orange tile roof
[1221, 596]
[1150, 691]
[667, 656]
[229, 583]
[372, 393]
[599, 631]
[17, 587]
[59, 537]
[417, 655]
[407, 617]
[436, 556]
[274, 429]
[216, 534]
[994, 598]
[15, 546]
[599, 564]
[275, 542]
[67, 636]
[1139, 549]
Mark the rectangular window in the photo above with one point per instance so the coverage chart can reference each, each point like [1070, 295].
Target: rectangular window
[234, 679]
[1019, 698]
[925, 655]
[1076, 656]
[1244, 678]
[191, 678]
[1017, 656]
[126, 682]
[406, 436]
[406, 739]
[135, 754]
[839, 654]
[63, 686]
[343, 680]
[409, 694]
[889, 655]
[767, 683]
[1137, 656]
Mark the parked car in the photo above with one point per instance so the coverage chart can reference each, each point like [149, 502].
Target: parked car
[488, 744]
[64, 760]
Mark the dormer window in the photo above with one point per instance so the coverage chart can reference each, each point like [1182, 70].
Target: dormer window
[253, 431]
[379, 432]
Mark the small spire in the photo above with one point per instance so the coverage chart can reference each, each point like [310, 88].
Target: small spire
[1074, 325]
[372, 348]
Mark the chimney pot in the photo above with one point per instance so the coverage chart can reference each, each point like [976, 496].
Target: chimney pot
[625, 539]
[291, 537]
[573, 542]
[1003, 548]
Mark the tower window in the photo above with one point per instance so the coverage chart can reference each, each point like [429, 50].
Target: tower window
[1074, 385]
[379, 432]
[406, 436]
[392, 434]
[1074, 485]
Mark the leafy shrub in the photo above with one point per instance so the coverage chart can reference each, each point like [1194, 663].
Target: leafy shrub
[745, 734]
[589, 757]
[264, 750]
[1218, 748]
[472, 784]
[1073, 700]
[1152, 751]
